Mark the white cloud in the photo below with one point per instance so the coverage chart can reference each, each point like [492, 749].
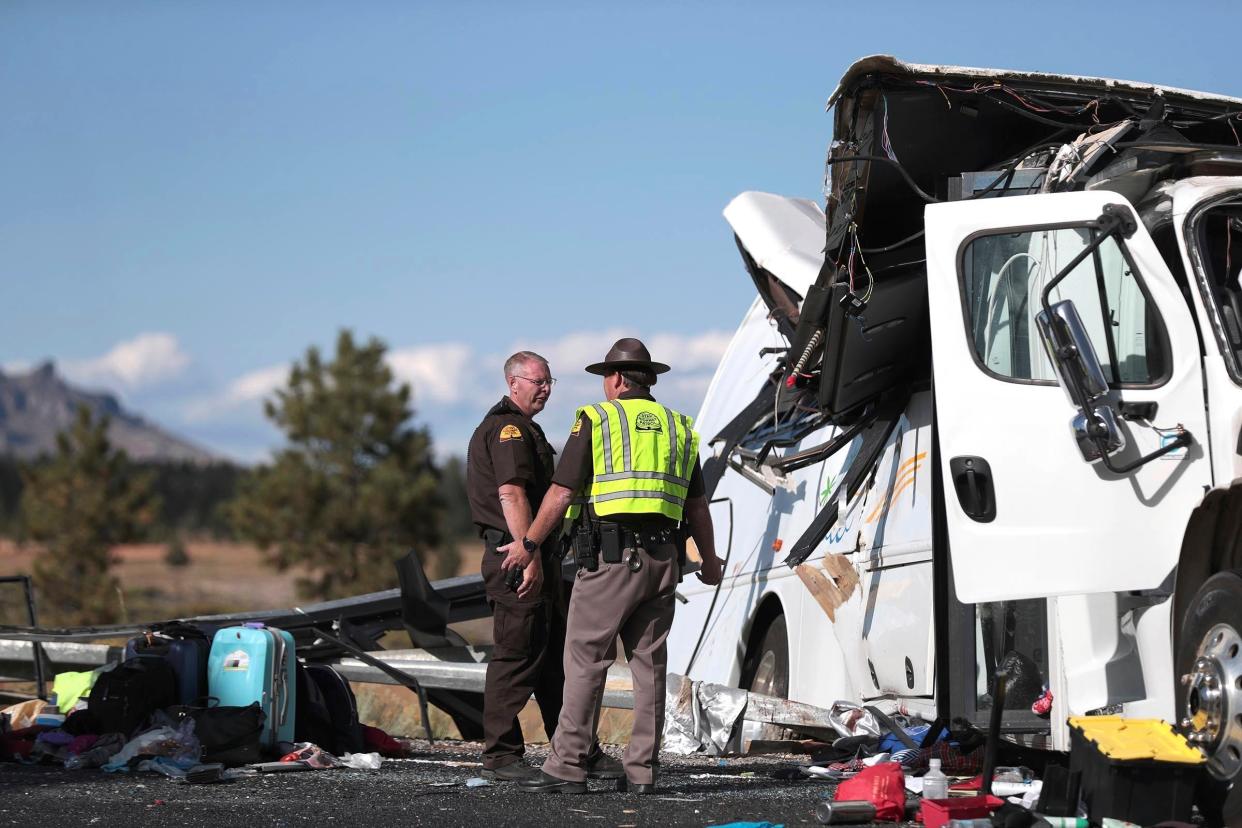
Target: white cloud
[257, 384]
[245, 391]
[147, 359]
[454, 382]
[441, 373]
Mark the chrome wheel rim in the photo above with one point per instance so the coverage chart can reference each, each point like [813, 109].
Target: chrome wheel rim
[1212, 701]
[764, 683]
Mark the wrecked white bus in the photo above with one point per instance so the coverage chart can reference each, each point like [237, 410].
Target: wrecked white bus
[986, 411]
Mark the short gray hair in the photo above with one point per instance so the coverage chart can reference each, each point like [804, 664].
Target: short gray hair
[521, 358]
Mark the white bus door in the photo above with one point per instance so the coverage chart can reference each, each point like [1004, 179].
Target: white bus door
[1027, 515]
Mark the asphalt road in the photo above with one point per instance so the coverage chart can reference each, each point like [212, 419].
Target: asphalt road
[427, 789]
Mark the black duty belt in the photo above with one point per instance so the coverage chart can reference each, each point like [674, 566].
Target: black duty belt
[615, 542]
[645, 538]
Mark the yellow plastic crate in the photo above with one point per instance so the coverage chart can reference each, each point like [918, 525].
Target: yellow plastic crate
[1123, 739]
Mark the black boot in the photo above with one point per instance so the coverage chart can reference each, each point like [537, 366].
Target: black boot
[512, 772]
[602, 766]
[626, 786]
[545, 783]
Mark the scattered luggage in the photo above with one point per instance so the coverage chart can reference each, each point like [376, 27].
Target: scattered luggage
[185, 648]
[125, 696]
[342, 708]
[313, 722]
[255, 664]
[327, 710]
[229, 735]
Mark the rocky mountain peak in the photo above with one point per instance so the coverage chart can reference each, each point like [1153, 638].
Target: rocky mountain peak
[38, 404]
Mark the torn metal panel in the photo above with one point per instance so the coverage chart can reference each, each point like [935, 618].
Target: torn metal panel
[784, 236]
[830, 584]
[702, 715]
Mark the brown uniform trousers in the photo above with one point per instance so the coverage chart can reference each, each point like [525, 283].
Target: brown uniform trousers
[529, 637]
[638, 606]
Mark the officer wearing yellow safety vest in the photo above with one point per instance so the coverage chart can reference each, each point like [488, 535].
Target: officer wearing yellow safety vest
[630, 472]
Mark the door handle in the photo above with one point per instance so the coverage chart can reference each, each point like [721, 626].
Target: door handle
[972, 479]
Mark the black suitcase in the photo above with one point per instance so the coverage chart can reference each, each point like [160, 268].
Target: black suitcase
[185, 649]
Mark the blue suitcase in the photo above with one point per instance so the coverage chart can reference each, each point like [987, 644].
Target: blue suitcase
[251, 664]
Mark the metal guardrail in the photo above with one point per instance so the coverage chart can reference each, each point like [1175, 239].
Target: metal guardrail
[463, 676]
[36, 654]
[18, 662]
[381, 610]
[461, 669]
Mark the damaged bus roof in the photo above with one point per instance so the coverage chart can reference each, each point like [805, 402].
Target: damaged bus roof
[887, 64]
[784, 236]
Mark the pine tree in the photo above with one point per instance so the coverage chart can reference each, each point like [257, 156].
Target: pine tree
[176, 554]
[356, 486]
[78, 504]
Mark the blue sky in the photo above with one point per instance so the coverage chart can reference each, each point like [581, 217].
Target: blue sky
[194, 192]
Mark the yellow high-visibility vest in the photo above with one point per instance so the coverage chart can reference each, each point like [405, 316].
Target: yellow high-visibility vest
[642, 456]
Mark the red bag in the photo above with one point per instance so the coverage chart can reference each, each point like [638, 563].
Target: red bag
[883, 785]
[380, 742]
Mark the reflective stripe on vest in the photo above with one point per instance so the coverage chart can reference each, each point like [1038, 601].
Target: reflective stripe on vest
[642, 457]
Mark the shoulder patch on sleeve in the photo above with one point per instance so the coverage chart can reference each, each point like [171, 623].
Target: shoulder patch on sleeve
[577, 426]
[510, 432]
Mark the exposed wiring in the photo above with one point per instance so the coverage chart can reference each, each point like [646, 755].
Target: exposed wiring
[888, 247]
[885, 142]
[845, 159]
[1028, 108]
[856, 248]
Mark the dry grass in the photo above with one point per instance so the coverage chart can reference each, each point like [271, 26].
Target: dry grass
[220, 577]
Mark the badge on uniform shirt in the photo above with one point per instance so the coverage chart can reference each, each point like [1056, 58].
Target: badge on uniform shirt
[647, 421]
[510, 432]
[573, 432]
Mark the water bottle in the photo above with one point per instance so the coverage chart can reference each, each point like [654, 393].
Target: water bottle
[935, 783]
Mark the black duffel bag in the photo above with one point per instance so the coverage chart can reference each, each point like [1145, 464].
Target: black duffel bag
[229, 735]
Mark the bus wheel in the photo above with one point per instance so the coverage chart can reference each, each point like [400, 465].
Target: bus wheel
[1209, 667]
[766, 671]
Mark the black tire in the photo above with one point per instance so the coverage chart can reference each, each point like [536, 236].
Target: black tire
[766, 671]
[1208, 667]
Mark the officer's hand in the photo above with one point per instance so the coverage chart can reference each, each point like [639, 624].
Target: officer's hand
[515, 555]
[532, 581]
[710, 573]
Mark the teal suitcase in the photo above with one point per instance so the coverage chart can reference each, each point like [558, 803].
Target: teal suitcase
[252, 664]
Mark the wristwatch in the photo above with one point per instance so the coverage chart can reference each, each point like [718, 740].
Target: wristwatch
[529, 545]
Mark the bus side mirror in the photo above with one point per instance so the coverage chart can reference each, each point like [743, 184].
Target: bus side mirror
[1080, 374]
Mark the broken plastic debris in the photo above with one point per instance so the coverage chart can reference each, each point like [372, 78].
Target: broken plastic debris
[362, 761]
[477, 782]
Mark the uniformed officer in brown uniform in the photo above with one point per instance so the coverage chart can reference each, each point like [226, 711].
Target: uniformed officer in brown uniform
[631, 598]
[509, 466]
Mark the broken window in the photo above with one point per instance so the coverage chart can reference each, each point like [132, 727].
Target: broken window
[1219, 242]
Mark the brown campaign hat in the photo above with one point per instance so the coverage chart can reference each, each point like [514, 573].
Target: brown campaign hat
[627, 355]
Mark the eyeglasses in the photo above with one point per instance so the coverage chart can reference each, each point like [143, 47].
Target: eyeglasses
[548, 383]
